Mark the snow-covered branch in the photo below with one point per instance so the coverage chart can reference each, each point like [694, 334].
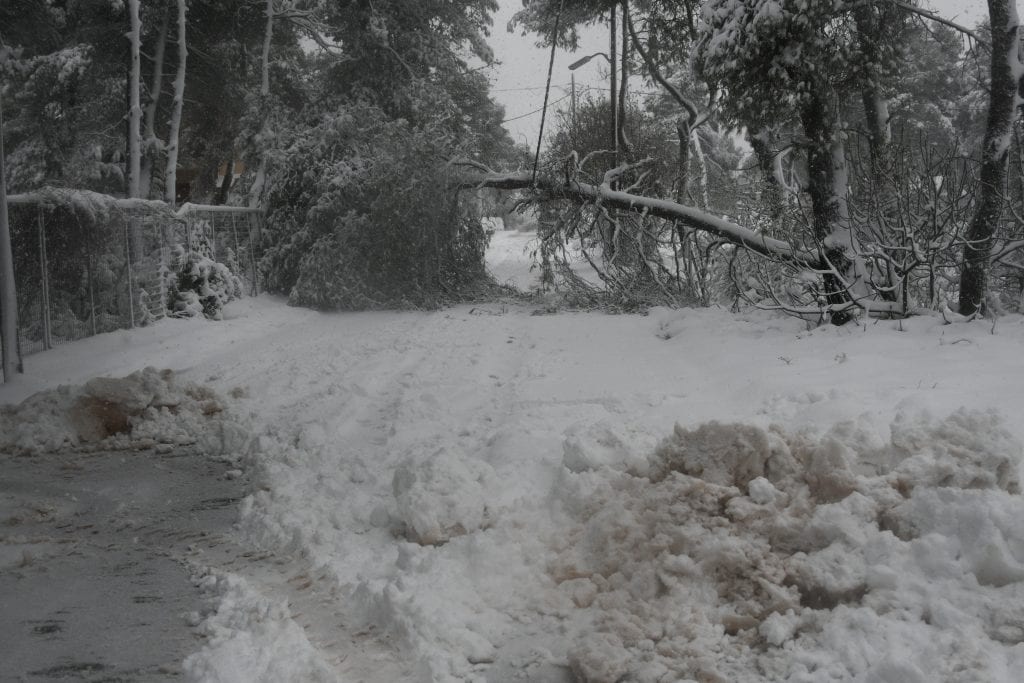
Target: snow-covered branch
[688, 216]
[932, 15]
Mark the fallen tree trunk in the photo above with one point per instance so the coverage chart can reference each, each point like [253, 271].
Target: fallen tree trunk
[693, 218]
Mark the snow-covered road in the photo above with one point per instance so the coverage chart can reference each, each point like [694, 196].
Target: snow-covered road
[477, 493]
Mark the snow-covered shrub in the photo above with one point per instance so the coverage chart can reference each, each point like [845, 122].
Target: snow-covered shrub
[359, 217]
[200, 286]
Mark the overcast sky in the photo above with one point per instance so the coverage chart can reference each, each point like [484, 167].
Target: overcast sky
[518, 83]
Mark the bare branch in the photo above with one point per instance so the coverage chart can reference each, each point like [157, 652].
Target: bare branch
[691, 109]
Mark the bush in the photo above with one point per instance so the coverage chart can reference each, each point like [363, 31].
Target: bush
[200, 285]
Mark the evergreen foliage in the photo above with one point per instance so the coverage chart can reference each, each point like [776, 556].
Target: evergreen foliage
[200, 286]
[359, 217]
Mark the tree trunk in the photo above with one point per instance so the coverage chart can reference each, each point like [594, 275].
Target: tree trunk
[170, 176]
[702, 166]
[225, 185]
[1005, 66]
[827, 186]
[256, 190]
[683, 162]
[150, 143]
[134, 106]
[10, 359]
[613, 100]
[870, 24]
[620, 112]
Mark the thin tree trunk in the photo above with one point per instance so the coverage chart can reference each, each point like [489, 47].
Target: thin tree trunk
[994, 156]
[870, 22]
[150, 142]
[179, 100]
[705, 197]
[613, 100]
[134, 106]
[256, 190]
[683, 162]
[620, 113]
[10, 359]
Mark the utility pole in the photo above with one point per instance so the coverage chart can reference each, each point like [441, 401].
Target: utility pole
[572, 100]
[11, 359]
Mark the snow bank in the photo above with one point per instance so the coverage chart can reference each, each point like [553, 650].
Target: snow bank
[745, 554]
[145, 409]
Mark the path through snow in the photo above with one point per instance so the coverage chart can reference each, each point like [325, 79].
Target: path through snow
[478, 493]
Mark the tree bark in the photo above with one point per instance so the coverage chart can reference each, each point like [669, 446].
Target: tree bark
[170, 176]
[1004, 69]
[134, 106]
[10, 358]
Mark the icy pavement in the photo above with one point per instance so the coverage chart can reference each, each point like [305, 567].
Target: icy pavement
[487, 494]
[95, 552]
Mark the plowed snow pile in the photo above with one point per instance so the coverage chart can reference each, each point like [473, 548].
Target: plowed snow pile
[744, 554]
[146, 409]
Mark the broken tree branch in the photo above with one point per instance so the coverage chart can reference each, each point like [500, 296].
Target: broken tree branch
[606, 197]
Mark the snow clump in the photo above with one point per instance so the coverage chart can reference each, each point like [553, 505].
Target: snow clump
[442, 496]
[747, 554]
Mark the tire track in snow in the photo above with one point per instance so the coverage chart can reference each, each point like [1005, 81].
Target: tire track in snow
[402, 395]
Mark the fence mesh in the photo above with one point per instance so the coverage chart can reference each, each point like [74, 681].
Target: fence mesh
[86, 263]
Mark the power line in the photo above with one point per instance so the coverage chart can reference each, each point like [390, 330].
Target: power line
[535, 111]
[539, 87]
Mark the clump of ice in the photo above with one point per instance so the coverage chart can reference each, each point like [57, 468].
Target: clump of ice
[442, 496]
[144, 409]
[747, 554]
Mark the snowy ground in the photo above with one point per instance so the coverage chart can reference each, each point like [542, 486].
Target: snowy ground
[486, 494]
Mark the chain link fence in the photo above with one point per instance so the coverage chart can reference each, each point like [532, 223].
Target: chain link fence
[87, 263]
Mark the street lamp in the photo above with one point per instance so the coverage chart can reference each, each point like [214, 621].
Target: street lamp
[580, 62]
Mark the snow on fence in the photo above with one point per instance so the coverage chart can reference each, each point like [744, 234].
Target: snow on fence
[87, 263]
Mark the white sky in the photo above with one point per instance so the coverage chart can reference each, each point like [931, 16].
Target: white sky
[518, 83]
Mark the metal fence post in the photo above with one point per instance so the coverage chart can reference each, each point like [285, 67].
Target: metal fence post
[128, 270]
[89, 274]
[252, 254]
[44, 299]
[234, 234]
